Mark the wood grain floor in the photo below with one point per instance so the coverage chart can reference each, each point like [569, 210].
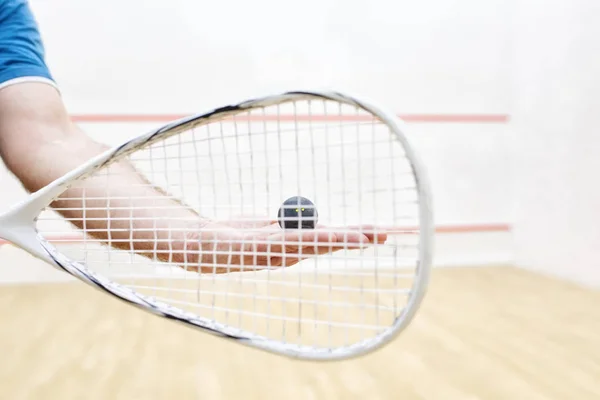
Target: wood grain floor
[483, 333]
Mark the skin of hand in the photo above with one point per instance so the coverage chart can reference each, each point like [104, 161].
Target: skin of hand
[237, 246]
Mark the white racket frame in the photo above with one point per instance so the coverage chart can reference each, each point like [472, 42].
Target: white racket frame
[18, 226]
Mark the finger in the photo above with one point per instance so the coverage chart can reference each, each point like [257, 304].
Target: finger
[311, 242]
[307, 239]
[351, 239]
[374, 234]
[327, 242]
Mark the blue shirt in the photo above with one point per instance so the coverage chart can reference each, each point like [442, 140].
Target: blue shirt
[21, 47]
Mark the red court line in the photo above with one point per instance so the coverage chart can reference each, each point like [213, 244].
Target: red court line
[413, 118]
[481, 228]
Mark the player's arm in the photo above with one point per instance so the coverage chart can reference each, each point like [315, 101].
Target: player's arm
[39, 143]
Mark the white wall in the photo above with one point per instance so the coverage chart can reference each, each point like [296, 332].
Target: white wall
[557, 137]
[184, 56]
[428, 57]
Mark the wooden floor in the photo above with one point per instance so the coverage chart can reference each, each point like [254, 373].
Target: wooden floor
[483, 333]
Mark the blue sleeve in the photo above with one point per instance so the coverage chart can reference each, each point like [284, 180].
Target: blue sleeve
[21, 47]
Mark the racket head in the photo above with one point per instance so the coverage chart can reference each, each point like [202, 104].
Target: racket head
[326, 287]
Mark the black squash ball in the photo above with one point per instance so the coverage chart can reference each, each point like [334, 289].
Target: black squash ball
[297, 213]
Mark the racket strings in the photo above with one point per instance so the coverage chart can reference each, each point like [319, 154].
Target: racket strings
[239, 170]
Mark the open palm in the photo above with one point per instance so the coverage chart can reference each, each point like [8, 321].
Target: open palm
[236, 245]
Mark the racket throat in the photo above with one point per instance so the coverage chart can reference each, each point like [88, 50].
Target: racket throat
[16, 230]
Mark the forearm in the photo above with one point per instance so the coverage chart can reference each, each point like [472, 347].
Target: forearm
[40, 144]
[126, 210]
